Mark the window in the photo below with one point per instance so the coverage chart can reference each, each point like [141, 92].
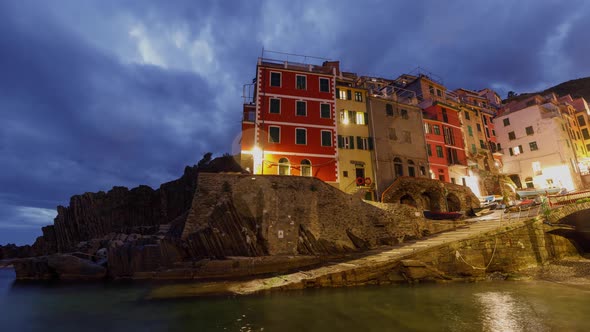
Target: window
[482, 144]
[436, 129]
[275, 79]
[427, 129]
[506, 122]
[325, 111]
[301, 108]
[404, 114]
[344, 117]
[511, 151]
[533, 146]
[473, 148]
[345, 174]
[487, 132]
[537, 168]
[445, 116]
[358, 96]
[511, 136]
[274, 134]
[300, 136]
[429, 150]
[305, 167]
[449, 137]
[284, 166]
[581, 120]
[470, 130]
[407, 136]
[431, 89]
[346, 142]
[478, 127]
[493, 132]
[422, 170]
[389, 110]
[275, 106]
[438, 93]
[391, 134]
[529, 130]
[361, 118]
[467, 115]
[411, 168]
[348, 95]
[517, 150]
[585, 133]
[324, 85]
[439, 151]
[301, 82]
[362, 143]
[341, 94]
[397, 167]
[326, 138]
[485, 120]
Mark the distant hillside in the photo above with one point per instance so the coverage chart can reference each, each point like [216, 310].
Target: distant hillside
[576, 88]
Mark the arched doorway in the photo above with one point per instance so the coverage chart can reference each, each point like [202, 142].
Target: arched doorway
[408, 200]
[305, 167]
[453, 203]
[284, 166]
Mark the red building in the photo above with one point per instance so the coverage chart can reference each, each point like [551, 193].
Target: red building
[289, 124]
[444, 142]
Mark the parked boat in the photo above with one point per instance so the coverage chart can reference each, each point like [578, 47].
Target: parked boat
[439, 215]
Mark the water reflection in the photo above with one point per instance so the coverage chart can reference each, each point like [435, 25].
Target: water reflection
[503, 311]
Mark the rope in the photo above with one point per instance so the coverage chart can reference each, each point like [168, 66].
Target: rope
[459, 256]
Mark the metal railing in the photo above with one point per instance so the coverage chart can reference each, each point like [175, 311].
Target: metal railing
[559, 200]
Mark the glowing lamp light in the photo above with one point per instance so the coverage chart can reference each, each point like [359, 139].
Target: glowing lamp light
[257, 160]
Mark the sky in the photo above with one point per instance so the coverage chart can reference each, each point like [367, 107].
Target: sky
[95, 94]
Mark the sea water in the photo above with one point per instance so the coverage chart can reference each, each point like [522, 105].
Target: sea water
[487, 306]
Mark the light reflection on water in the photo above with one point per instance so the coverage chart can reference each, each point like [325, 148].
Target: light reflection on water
[502, 311]
[493, 306]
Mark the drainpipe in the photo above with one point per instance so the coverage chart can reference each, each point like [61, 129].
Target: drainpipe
[376, 163]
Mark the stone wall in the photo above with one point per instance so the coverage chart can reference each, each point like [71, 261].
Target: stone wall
[286, 215]
[429, 194]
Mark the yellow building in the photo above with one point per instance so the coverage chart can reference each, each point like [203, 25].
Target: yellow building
[355, 144]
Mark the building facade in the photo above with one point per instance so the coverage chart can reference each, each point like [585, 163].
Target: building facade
[289, 127]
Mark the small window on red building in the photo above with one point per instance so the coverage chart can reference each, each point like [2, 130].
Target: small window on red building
[324, 85]
[301, 82]
[275, 79]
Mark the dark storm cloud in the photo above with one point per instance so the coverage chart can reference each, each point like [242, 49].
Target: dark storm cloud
[101, 93]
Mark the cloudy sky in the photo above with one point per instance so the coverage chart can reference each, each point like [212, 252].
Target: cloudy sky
[101, 93]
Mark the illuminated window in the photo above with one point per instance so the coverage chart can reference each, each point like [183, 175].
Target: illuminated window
[427, 129]
[341, 94]
[344, 119]
[537, 168]
[305, 167]
[361, 118]
[284, 166]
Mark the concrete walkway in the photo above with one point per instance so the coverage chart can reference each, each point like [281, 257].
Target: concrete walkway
[369, 260]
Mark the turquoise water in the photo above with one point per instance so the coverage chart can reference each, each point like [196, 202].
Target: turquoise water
[489, 306]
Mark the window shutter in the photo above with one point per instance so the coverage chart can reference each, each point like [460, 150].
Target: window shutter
[352, 117]
[370, 141]
[348, 94]
[510, 150]
[340, 141]
[359, 142]
[520, 148]
[366, 118]
[337, 93]
[351, 140]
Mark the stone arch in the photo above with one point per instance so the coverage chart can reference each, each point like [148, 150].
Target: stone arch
[407, 199]
[453, 202]
[431, 199]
